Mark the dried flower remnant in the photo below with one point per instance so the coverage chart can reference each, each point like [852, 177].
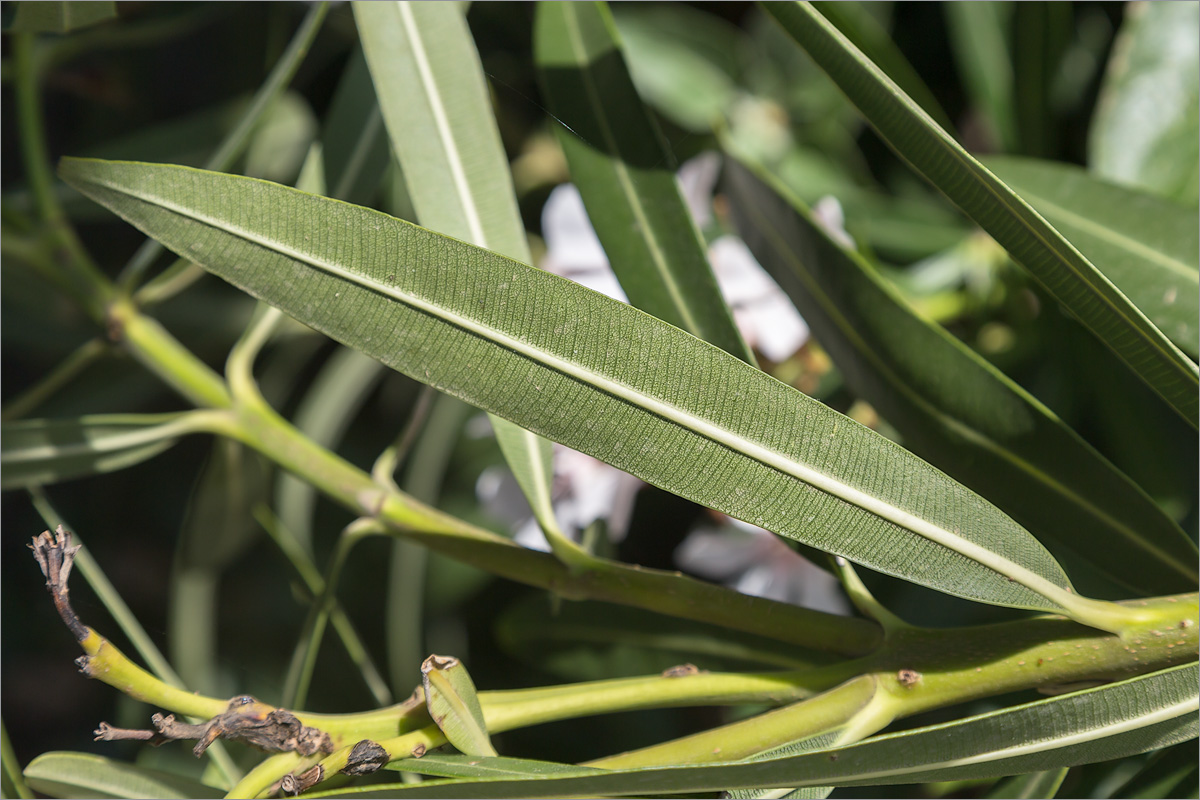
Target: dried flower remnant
[246, 719]
[55, 555]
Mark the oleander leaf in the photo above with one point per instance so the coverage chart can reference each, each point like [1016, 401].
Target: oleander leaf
[1145, 244]
[595, 374]
[622, 168]
[64, 774]
[36, 452]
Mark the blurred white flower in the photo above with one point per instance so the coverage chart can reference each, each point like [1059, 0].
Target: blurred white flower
[764, 315]
[583, 491]
[757, 562]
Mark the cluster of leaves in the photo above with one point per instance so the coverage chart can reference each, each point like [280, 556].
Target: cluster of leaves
[1019, 335]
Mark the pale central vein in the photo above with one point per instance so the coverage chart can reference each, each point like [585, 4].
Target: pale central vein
[884, 510]
[445, 133]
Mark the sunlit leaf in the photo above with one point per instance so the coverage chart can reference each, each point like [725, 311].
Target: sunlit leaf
[1145, 126]
[434, 100]
[595, 374]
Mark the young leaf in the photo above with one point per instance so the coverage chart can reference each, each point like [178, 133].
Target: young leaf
[454, 706]
[620, 164]
[41, 451]
[593, 373]
[957, 410]
[1052, 260]
[1146, 245]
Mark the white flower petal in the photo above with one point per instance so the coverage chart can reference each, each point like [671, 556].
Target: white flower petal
[697, 179]
[571, 242]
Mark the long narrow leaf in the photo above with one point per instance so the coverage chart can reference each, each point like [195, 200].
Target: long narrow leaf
[593, 373]
[1052, 260]
[41, 451]
[431, 90]
[957, 410]
[1114, 721]
[1144, 244]
[85, 775]
[620, 164]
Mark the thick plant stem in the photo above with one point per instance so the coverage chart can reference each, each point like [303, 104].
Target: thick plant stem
[811, 717]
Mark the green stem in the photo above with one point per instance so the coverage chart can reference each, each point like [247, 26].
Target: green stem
[66, 371]
[88, 285]
[239, 138]
[811, 717]
[304, 659]
[164, 356]
[315, 583]
[13, 777]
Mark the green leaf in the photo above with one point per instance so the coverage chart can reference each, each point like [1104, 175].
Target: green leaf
[621, 166]
[956, 409]
[1058, 266]
[1040, 785]
[683, 60]
[1145, 126]
[61, 16]
[593, 373]
[1110, 722]
[457, 766]
[1146, 245]
[864, 29]
[40, 451]
[979, 39]
[217, 528]
[354, 139]
[1168, 773]
[435, 104]
[64, 774]
[454, 706]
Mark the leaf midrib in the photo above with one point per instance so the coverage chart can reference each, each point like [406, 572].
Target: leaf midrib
[1163, 714]
[967, 431]
[444, 130]
[1059, 597]
[623, 178]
